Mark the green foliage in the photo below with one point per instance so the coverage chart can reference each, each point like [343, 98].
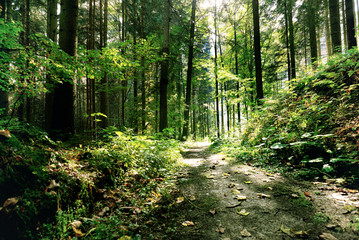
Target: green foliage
[310, 125]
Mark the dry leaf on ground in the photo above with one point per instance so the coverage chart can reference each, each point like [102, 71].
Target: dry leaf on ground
[327, 236]
[245, 233]
[188, 223]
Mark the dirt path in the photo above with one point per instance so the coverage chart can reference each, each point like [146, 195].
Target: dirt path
[221, 199]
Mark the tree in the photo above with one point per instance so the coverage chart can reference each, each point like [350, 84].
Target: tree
[291, 39]
[189, 72]
[311, 18]
[335, 25]
[349, 11]
[164, 67]
[257, 50]
[63, 118]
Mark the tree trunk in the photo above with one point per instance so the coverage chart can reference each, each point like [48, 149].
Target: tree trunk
[345, 31]
[143, 85]
[335, 25]
[328, 37]
[51, 30]
[237, 72]
[287, 39]
[63, 117]
[164, 67]
[189, 72]
[257, 51]
[216, 71]
[135, 74]
[311, 18]
[291, 39]
[349, 10]
[104, 92]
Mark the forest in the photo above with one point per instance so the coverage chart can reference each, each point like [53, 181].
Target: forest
[182, 119]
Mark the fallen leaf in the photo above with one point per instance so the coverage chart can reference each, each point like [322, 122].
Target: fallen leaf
[239, 188]
[327, 236]
[352, 191]
[331, 226]
[349, 208]
[247, 182]
[76, 224]
[262, 195]
[286, 230]
[125, 238]
[53, 184]
[240, 198]
[5, 133]
[188, 223]
[270, 188]
[294, 195]
[180, 199]
[307, 194]
[242, 212]
[220, 229]
[78, 232]
[212, 211]
[235, 191]
[10, 201]
[209, 176]
[231, 185]
[300, 233]
[192, 198]
[245, 233]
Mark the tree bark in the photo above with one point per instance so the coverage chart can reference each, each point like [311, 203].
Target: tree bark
[328, 38]
[349, 10]
[216, 71]
[104, 93]
[63, 117]
[291, 39]
[311, 18]
[257, 51]
[189, 73]
[335, 25]
[164, 67]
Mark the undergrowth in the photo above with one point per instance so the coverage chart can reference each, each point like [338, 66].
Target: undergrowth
[311, 127]
[102, 190]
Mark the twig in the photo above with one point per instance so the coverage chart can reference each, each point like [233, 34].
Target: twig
[13, 110]
[239, 204]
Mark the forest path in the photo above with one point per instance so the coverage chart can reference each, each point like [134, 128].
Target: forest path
[219, 198]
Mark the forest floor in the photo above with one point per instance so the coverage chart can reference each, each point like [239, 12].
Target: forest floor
[219, 198]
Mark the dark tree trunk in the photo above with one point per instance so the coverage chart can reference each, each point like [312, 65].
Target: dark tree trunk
[335, 25]
[237, 72]
[311, 18]
[164, 67]
[349, 10]
[257, 51]
[51, 30]
[63, 117]
[216, 72]
[104, 93]
[291, 39]
[189, 72]
[328, 38]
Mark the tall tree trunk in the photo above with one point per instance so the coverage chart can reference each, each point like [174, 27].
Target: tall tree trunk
[63, 117]
[189, 72]
[328, 38]
[104, 92]
[51, 31]
[123, 82]
[335, 25]
[90, 82]
[349, 10]
[216, 71]
[345, 31]
[164, 67]
[2, 9]
[291, 39]
[287, 39]
[237, 71]
[257, 51]
[311, 18]
[143, 85]
[135, 74]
